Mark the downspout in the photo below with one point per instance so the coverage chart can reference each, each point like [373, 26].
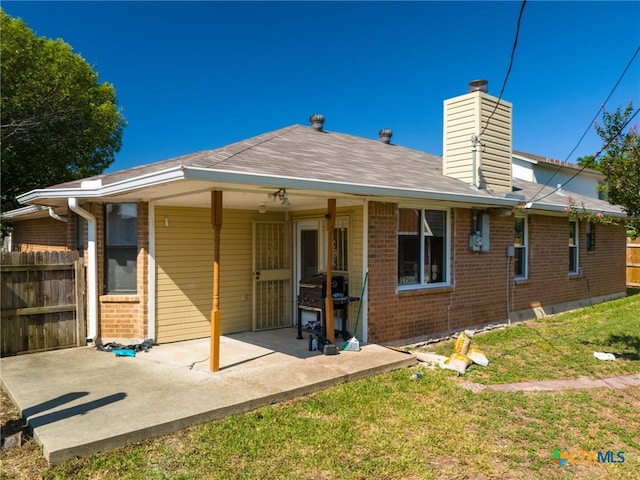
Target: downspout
[508, 285]
[55, 216]
[151, 273]
[92, 271]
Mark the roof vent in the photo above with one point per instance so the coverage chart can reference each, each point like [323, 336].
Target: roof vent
[479, 86]
[317, 121]
[385, 135]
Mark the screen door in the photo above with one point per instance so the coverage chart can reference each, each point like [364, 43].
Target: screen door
[272, 289]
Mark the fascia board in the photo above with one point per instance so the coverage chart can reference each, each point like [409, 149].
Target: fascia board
[525, 159]
[20, 212]
[563, 209]
[149, 180]
[203, 174]
[226, 176]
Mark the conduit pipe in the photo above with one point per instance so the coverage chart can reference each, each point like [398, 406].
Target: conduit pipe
[508, 285]
[92, 270]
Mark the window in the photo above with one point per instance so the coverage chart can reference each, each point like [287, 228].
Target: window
[573, 246]
[520, 247]
[422, 246]
[340, 261]
[341, 245]
[591, 237]
[121, 247]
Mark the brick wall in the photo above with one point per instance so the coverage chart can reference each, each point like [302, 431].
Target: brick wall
[41, 234]
[125, 317]
[549, 282]
[478, 291]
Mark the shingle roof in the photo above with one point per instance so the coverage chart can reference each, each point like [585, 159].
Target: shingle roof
[554, 162]
[303, 153]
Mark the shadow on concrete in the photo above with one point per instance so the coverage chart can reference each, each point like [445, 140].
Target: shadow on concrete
[53, 403]
[246, 361]
[81, 409]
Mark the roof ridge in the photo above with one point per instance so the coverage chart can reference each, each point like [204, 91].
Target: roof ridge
[253, 142]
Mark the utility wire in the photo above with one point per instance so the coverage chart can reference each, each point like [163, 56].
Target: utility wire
[588, 163]
[587, 130]
[513, 52]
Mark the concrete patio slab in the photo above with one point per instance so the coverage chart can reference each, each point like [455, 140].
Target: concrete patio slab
[83, 401]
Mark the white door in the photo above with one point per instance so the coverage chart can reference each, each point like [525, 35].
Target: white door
[308, 257]
[272, 269]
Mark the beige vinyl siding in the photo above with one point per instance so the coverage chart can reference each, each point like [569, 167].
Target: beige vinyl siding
[184, 271]
[495, 156]
[356, 274]
[465, 116]
[461, 122]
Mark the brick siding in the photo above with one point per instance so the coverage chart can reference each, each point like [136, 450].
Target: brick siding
[478, 291]
[41, 234]
[125, 317]
[549, 282]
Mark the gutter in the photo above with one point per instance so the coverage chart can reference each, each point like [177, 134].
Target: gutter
[182, 172]
[363, 189]
[92, 268]
[95, 189]
[545, 207]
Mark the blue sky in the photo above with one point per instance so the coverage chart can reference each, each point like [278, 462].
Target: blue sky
[192, 76]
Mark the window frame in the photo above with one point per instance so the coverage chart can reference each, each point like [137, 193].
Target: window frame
[591, 236]
[524, 248]
[446, 255]
[574, 248]
[131, 249]
[341, 245]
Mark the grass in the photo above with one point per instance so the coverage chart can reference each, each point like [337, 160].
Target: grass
[561, 346]
[392, 427]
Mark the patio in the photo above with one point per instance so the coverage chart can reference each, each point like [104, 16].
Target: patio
[83, 401]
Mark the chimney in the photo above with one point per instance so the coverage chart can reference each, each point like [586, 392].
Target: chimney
[317, 121]
[385, 135]
[477, 138]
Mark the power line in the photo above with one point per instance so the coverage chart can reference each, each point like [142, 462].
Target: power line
[593, 159]
[513, 52]
[601, 109]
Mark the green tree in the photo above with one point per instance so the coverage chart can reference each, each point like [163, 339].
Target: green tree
[57, 122]
[619, 161]
[588, 161]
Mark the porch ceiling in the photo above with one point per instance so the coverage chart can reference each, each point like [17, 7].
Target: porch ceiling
[197, 193]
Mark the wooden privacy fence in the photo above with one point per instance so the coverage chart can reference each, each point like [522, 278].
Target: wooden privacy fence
[633, 262]
[42, 301]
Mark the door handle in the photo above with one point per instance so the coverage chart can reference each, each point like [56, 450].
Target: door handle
[257, 274]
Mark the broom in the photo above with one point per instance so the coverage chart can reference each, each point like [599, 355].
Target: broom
[353, 343]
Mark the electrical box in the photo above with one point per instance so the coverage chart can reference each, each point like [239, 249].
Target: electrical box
[475, 242]
[479, 241]
[510, 251]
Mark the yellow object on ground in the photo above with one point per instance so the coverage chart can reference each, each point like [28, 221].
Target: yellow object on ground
[457, 362]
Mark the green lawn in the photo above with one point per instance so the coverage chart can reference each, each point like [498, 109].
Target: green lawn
[561, 346]
[392, 427]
